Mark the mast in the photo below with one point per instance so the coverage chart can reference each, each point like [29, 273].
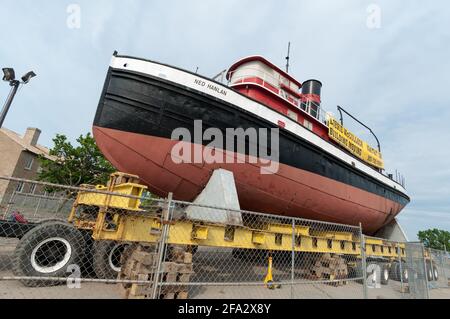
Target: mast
[288, 57]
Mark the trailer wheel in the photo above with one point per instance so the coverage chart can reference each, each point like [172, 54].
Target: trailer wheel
[384, 274]
[402, 274]
[87, 265]
[46, 251]
[429, 271]
[405, 275]
[107, 256]
[395, 272]
[435, 273]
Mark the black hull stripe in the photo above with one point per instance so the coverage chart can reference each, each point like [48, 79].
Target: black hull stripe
[143, 104]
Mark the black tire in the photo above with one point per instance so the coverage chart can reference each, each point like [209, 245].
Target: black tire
[52, 220]
[395, 272]
[385, 274]
[429, 271]
[435, 273]
[40, 223]
[87, 265]
[107, 258]
[405, 273]
[46, 251]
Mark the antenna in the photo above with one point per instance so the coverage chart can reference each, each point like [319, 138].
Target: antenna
[288, 57]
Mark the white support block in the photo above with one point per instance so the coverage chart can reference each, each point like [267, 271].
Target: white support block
[219, 192]
[392, 231]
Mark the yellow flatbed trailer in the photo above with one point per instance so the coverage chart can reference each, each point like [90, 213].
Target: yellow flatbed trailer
[135, 225]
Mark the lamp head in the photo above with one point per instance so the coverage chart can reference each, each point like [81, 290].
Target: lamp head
[27, 77]
[8, 74]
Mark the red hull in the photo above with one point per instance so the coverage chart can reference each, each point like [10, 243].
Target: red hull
[291, 192]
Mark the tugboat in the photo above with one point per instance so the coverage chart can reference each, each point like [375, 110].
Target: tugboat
[324, 172]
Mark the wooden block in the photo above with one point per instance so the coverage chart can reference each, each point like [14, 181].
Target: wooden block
[187, 258]
[184, 277]
[143, 277]
[173, 288]
[128, 268]
[185, 268]
[140, 270]
[176, 254]
[139, 290]
[143, 269]
[144, 258]
[169, 295]
[126, 293]
[182, 295]
[169, 267]
[137, 297]
[170, 277]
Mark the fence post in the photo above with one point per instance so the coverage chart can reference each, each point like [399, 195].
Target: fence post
[363, 261]
[430, 252]
[445, 264]
[400, 265]
[293, 259]
[425, 271]
[162, 243]
[37, 207]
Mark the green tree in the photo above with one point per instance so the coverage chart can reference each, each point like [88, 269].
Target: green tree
[75, 165]
[435, 238]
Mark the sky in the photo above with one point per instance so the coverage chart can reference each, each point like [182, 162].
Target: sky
[386, 61]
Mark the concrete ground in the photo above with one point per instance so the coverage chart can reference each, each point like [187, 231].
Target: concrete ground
[15, 290]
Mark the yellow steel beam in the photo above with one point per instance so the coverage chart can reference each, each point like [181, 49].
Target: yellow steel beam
[139, 228]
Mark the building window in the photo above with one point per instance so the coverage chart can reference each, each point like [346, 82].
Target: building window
[32, 188]
[19, 187]
[29, 162]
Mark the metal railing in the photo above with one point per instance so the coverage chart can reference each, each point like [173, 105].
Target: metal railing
[311, 108]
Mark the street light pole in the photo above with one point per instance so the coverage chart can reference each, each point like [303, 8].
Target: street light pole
[14, 87]
[10, 76]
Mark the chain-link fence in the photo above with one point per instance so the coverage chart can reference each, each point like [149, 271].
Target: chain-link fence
[115, 241]
[440, 268]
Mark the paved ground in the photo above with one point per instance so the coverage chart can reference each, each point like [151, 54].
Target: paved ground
[14, 289]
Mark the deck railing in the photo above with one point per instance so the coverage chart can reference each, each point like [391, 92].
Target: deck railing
[269, 81]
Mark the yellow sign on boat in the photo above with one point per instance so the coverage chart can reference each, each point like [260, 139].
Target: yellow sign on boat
[354, 144]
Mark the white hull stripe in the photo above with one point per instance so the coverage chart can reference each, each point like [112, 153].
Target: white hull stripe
[226, 94]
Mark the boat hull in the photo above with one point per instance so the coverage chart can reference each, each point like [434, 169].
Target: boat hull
[133, 127]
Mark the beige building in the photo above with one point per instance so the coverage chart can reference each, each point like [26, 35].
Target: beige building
[19, 158]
